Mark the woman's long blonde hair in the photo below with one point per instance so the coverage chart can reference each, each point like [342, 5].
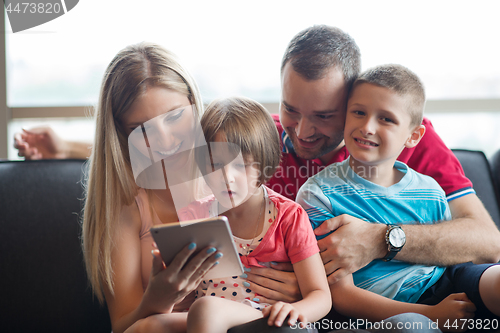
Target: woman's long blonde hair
[110, 183]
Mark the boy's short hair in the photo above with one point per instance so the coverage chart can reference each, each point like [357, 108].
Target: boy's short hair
[247, 124]
[315, 50]
[403, 82]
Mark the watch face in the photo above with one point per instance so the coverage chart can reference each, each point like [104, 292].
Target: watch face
[397, 237]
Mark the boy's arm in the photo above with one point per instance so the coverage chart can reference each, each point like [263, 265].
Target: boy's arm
[351, 301]
[355, 302]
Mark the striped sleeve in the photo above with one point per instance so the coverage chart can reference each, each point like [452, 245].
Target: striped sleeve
[460, 193]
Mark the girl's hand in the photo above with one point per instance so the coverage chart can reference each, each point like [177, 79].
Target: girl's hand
[279, 311]
[170, 285]
[453, 308]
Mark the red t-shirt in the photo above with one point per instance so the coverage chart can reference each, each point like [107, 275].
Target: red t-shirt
[290, 237]
[430, 157]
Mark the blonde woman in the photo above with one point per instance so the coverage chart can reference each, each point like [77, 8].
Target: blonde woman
[144, 83]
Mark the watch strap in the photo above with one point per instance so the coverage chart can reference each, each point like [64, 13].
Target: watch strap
[390, 255]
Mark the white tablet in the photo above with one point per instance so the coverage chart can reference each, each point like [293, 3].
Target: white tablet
[173, 237]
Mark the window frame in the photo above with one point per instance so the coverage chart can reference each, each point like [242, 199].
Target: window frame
[5, 115]
[8, 114]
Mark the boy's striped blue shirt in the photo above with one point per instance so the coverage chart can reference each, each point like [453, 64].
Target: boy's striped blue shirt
[415, 199]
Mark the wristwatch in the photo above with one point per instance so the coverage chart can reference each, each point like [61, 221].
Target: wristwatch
[395, 238]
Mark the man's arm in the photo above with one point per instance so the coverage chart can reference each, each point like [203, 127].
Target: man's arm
[470, 236]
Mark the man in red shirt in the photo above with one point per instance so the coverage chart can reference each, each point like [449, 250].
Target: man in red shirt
[317, 70]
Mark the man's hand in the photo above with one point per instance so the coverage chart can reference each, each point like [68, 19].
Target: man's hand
[274, 284]
[353, 245]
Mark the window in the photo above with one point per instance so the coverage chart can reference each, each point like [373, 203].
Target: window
[235, 48]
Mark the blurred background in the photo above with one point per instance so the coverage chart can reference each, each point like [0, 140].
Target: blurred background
[53, 71]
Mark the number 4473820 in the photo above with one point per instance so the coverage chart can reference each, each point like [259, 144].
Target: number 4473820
[32, 7]
[472, 324]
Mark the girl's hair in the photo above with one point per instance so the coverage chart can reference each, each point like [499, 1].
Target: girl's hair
[110, 182]
[247, 124]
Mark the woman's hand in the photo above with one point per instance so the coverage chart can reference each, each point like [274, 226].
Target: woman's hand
[170, 285]
[278, 312]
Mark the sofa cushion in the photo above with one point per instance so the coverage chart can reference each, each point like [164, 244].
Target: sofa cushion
[477, 169]
[44, 284]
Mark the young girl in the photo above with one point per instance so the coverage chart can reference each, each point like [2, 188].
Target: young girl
[143, 84]
[242, 154]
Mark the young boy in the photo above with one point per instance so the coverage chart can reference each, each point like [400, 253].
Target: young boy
[384, 115]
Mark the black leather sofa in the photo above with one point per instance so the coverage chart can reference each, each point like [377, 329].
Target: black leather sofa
[43, 281]
[482, 173]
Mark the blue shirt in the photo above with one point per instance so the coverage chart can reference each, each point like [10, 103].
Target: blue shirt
[415, 199]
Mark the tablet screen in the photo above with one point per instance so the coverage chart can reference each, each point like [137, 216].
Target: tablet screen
[173, 237]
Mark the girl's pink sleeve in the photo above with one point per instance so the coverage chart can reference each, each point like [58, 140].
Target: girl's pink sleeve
[195, 210]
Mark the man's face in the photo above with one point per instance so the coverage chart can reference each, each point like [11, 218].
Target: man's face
[312, 113]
